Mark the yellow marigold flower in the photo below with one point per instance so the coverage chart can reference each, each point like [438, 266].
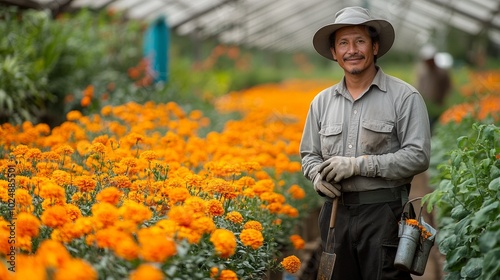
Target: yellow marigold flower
[52, 253]
[252, 238]
[254, 225]
[183, 216]
[61, 177]
[234, 217]
[33, 154]
[73, 115]
[85, 183]
[134, 211]
[27, 225]
[51, 156]
[177, 195]
[97, 148]
[297, 241]
[75, 269]
[104, 214]
[296, 192]
[291, 264]
[55, 216]
[20, 150]
[64, 149]
[149, 155]
[215, 207]
[224, 242]
[147, 271]
[157, 249]
[111, 195]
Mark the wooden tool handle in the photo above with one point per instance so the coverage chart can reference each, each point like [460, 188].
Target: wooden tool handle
[335, 204]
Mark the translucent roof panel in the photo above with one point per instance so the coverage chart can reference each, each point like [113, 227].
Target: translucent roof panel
[290, 24]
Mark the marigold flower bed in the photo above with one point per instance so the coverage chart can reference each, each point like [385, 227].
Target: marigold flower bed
[135, 192]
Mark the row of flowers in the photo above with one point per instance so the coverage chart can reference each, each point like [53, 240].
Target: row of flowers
[135, 192]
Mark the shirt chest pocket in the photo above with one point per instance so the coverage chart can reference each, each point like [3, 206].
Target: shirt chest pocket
[375, 137]
[331, 140]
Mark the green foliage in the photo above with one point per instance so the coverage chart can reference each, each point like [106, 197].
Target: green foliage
[468, 204]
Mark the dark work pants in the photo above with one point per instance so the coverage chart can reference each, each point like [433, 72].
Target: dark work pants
[366, 240]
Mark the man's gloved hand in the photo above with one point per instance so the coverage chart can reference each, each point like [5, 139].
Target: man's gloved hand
[324, 188]
[338, 168]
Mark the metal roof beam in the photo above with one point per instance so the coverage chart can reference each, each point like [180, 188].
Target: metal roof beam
[202, 12]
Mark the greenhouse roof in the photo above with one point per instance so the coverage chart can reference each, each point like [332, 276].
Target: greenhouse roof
[288, 25]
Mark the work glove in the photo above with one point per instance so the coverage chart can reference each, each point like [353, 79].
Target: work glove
[338, 168]
[325, 188]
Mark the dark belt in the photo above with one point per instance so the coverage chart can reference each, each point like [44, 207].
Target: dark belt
[376, 196]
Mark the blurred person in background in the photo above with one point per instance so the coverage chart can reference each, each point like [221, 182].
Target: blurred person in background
[433, 82]
[364, 140]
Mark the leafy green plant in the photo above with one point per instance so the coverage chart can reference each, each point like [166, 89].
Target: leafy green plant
[468, 205]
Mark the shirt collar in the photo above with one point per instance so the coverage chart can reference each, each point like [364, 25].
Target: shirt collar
[379, 81]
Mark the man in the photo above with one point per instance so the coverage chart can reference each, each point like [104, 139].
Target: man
[433, 82]
[364, 139]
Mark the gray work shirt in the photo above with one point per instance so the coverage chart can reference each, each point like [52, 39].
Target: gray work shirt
[386, 129]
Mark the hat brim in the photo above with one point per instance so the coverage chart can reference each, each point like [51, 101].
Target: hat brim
[321, 39]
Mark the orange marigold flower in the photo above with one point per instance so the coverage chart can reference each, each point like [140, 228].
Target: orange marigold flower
[254, 225]
[196, 203]
[224, 242]
[23, 197]
[27, 225]
[65, 149]
[83, 225]
[215, 207]
[203, 225]
[291, 264]
[134, 211]
[73, 115]
[104, 214]
[52, 253]
[55, 216]
[61, 177]
[252, 238]
[73, 211]
[157, 249]
[75, 269]
[85, 183]
[181, 215]
[29, 267]
[51, 191]
[297, 241]
[225, 274]
[234, 217]
[111, 195]
[121, 182]
[289, 211]
[178, 194]
[296, 192]
[127, 249]
[146, 271]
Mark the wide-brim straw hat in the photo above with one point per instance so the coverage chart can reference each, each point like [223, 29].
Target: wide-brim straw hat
[351, 16]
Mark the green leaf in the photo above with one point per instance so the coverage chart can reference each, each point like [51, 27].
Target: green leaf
[491, 265]
[485, 215]
[456, 256]
[488, 240]
[472, 268]
[494, 185]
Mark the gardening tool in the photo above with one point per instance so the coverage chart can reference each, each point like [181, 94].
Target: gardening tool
[328, 256]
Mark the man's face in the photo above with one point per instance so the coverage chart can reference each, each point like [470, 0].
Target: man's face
[353, 49]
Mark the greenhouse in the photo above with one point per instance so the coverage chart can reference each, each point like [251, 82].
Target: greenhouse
[212, 139]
